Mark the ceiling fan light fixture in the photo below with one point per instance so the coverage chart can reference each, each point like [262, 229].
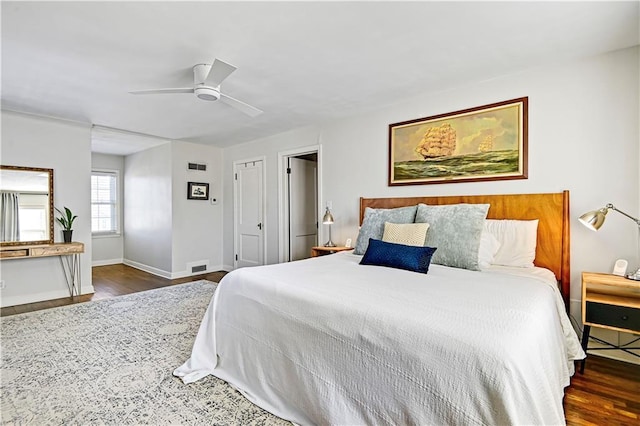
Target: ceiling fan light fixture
[206, 86]
[207, 93]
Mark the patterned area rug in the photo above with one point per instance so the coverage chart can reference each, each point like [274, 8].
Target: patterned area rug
[111, 362]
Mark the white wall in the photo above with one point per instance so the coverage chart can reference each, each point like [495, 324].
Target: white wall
[109, 249]
[165, 233]
[66, 148]
[584, 136]
[197, 224]
[147, 210]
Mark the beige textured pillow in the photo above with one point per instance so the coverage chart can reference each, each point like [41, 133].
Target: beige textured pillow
[409, 234]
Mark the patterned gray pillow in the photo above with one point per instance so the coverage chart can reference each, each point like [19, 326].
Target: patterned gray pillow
[373, 224]
[455, 230]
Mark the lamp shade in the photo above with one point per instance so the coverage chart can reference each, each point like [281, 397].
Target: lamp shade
[327, 219]
[594, 219]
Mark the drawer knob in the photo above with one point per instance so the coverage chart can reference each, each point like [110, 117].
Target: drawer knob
[625, 317]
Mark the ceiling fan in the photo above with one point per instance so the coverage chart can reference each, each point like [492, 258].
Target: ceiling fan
[206, 86]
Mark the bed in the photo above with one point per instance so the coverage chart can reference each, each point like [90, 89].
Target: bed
[330, 341]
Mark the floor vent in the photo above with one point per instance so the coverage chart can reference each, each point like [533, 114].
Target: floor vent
[199, 268]
[196, 166]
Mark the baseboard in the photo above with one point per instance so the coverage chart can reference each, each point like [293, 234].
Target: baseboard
[226, 268]
[612, 354]
[614, 337]
[41, 297]
[172, 275]
[107, 262]
[147, 268]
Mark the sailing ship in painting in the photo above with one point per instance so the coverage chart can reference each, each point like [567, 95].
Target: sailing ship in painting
[438, 142]
[439, 158]
[486, 145]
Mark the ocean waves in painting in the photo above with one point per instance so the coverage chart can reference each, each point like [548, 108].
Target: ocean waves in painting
[468, 165]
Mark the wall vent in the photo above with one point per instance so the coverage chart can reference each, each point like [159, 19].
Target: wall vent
[199, 268]
[196, 166]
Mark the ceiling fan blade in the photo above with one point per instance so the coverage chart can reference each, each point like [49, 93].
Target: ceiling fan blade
[162, 91]
[241, 106]
[219, 71]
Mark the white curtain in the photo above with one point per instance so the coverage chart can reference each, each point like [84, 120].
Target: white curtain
[9, 229]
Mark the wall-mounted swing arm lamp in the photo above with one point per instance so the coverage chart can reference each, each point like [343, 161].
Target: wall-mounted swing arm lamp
[595, 219]
[327, 219]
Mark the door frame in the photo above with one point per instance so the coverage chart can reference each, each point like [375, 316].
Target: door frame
[282, 192]
[234, 169]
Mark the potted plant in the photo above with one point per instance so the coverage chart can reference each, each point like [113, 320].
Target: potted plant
[66, 220]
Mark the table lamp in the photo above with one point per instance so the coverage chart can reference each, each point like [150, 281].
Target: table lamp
[595, 219]
[327, 219]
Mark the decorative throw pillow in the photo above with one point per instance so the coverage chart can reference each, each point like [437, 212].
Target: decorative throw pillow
[489, 246]
[455, 230]
[410, 234]
[518, 240]
[399, 256]
[373, 224]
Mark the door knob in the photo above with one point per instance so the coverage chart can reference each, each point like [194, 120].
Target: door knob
[260, 226]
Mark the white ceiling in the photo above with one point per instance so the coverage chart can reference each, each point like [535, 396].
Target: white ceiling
[300, 62]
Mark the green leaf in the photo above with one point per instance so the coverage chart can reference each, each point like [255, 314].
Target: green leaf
[66, 219]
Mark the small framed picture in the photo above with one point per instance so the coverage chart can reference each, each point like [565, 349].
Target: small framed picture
[197, 191]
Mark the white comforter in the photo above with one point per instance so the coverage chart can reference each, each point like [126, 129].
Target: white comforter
[329, 341]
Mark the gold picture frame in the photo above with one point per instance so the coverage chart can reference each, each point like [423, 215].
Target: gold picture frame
[484, 143]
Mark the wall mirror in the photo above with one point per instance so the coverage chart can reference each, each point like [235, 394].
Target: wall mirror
[26, 205]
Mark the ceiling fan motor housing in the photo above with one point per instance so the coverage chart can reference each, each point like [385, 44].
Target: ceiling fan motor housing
[207, 93]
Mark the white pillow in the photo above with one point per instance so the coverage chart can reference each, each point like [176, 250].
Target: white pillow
[517, 240]
[489, 246]
[409, 234]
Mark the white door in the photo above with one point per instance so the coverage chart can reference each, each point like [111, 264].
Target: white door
[303, 224]
[248, 212]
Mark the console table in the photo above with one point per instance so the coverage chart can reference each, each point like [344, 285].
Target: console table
[68, 253]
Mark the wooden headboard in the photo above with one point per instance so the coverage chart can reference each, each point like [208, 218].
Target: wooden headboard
[552, 211]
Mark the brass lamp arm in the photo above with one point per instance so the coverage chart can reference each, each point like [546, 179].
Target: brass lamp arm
[612, 207]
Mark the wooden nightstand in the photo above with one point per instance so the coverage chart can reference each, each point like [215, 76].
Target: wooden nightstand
[322, 250]
[609, 301]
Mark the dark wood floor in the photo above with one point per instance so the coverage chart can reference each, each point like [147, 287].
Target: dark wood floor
[608, 393]
[110, 281]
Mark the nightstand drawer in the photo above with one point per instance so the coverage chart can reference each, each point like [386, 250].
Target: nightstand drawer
[614, 316]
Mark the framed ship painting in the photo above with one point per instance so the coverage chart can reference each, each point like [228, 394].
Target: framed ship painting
[484, 143]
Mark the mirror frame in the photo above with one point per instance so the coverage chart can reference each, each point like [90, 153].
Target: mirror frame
[52, 218]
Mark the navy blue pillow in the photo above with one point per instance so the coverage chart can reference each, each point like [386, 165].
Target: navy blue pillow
[400, 256]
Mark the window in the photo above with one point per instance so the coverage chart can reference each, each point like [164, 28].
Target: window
[104, 202]
[32, 211]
